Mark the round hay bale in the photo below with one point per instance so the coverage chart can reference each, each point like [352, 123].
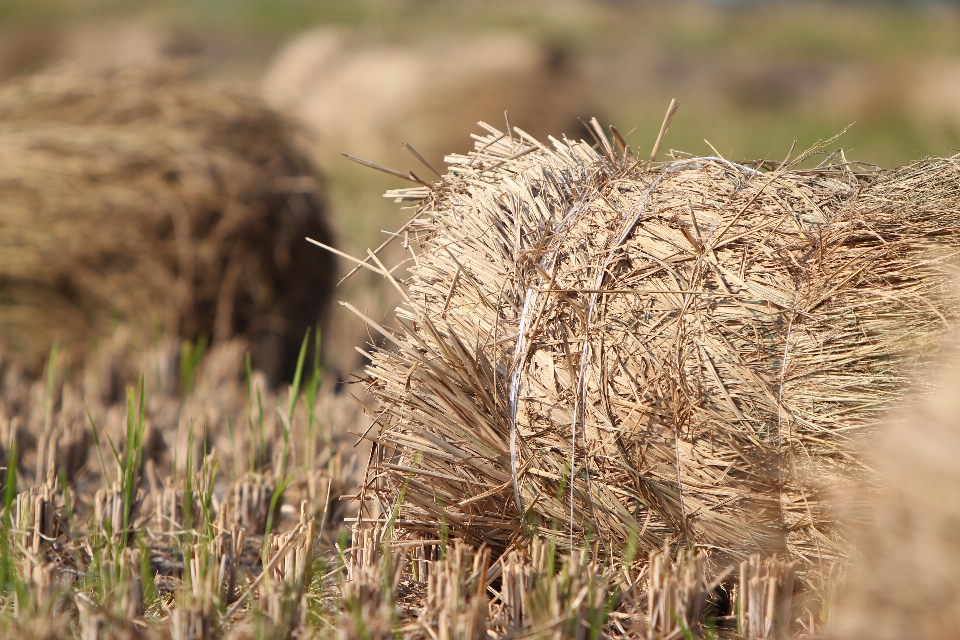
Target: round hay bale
[137, 197]
[682, 352]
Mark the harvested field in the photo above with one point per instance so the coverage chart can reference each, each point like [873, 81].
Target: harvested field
[135, 197]
[151, 513]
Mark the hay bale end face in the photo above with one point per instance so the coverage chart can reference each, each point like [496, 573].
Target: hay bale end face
[683, 351]
[137, 197]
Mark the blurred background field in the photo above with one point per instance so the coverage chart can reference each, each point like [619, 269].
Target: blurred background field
[362, 76]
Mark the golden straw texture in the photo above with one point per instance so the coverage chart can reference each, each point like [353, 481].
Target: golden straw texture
[680, 352]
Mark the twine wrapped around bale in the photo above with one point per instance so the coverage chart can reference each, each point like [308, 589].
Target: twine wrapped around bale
[680, 351]
[135, 196]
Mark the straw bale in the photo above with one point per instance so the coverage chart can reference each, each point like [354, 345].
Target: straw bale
[134, 196]
[699, 340]
[362, 95]
[906, 575]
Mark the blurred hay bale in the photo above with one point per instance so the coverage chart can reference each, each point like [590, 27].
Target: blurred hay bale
[699, 340]
[906, 573]
[138, 197]
[362, 96]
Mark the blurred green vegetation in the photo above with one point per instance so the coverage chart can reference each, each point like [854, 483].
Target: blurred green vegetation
[860, 30]
[887, 140]
[811, 35]
[816, 30]
[273, 17]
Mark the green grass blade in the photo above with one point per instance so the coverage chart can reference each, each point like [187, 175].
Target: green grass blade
[262, 439]
[285, 424]
[400, 497]
[298, 376]
[274, 501]
[190, 356]
[150, 592]
[128, 465]
[96, 442]
[116, 452]
[7, 573]
[188, 486]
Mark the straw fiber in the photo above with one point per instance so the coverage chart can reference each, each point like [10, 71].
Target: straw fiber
[137, 197]
[681, 351]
